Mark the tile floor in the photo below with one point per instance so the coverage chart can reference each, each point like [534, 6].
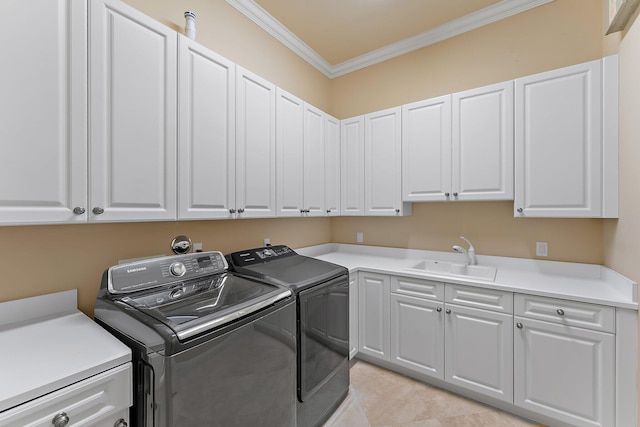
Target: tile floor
[378, 397]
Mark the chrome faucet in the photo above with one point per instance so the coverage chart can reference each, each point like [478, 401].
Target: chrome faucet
[470, 253]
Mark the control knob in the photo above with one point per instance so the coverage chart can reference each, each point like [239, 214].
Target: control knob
[178, 269]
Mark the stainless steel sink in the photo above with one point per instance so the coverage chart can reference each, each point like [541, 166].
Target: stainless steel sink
[446, 268]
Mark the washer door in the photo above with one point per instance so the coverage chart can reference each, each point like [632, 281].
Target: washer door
[324, 334]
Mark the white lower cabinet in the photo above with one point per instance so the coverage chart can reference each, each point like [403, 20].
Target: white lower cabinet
[562, 371]
[479, 351]
[373, 315]
[353, 315]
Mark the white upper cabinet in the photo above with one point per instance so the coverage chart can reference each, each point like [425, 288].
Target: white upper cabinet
[566, 160]
[460, 146]
[290, 117]
[43, 112]
[255, 145]
[383, 163]
[426, 150]
[482, 143]
[314, 161]
[206, 133]
[133, 115]
[332, 165]
[352, 166]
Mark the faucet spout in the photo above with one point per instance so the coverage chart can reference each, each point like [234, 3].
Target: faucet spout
[470, 254]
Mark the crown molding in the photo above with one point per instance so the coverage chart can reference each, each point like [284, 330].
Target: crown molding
[472, 21]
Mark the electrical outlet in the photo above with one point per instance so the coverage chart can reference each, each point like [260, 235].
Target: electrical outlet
[197, 247]
[267, 241]
[542, 249]
[359, 237]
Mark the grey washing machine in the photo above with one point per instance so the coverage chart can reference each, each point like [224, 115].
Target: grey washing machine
[322, 332]
[209, 348]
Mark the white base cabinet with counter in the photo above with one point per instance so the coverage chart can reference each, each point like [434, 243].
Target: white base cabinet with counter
[561, 348]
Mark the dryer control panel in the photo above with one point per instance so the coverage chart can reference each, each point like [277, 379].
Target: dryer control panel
[258, 255]
[154, 272]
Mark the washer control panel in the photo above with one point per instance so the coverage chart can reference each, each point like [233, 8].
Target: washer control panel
[258, 255]
[154, 272]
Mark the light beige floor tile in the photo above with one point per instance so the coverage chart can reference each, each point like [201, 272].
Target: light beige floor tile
[350, 413]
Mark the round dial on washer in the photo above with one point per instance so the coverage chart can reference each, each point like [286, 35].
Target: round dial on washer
[178, 269]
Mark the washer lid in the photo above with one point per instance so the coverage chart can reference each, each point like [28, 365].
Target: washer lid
[192, 307]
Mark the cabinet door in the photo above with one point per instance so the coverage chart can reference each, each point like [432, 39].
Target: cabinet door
[353, 315]
[417, 335]
[206, 133]
[255, 145]
[426, 150]
[482, 143]
[43, 112]
[558, 143]
[314, 158]
[479, 351]
[133, 115]
[352, 166]
[332, 165]
[565, 372]
[373, 315]
[289, 154]
[383, 162]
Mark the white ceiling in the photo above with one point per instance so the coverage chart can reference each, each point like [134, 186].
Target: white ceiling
[341, 36]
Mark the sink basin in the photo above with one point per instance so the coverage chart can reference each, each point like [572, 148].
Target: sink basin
[446, 268]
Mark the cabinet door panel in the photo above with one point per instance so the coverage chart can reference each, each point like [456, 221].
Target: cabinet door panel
[565, 372]
[382, 172]
[353, 315]
[352, 166]
[289, 154]
[332, 165]
[314, 158]
[426, 150]
[417, 335]
[206, 133]
[255, 145]
[558, 140]
[43, 112]
[133, 114]
[482, 143]
[373, 313]
[479, 351]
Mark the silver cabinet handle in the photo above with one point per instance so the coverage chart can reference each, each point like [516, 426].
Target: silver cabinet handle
[78, 210]
[328, 211]
[446, 194]
[232, 211]
[519, 325]
[121, 423]
[240, 210]
[455, 194]
[520, 210]
[448, 311]
[98, 211]
[560, 312]
[439, 309]
[60, 420]
[397, 210]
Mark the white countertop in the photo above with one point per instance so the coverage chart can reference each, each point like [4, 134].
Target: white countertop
[46, 344]
[578, 282]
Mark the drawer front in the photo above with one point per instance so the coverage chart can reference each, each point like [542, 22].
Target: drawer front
[420, 288]
[572, 313]
[487, 299]
[98, 401]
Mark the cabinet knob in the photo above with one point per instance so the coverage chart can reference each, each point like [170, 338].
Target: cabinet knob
[78, 210]
[519, 325]
[439, 309]
[240, 210]
[560, 312]
[60, 420]
[121, 423]
[448, 311]
[447, 194]
[455, 194]
[520, 210]
[301, 211]
[328, 211]
[232, 211]
[397, 210]
[98, 211]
